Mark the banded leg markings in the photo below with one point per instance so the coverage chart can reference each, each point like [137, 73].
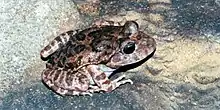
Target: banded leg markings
[58, 42]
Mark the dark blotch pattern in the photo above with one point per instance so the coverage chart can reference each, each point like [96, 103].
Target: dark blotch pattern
[70, 51]
[70, 33]
[100, 77]
[52, 44]
[61, 77]
[79, 48]
[95, 34]
[56, 75]
[80, 37]
[69, 78]
[82, 78]
[63, 34]
[58, 37]
[55, 88]
[101, 45]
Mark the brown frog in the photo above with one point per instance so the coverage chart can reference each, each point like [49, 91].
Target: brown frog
[74, 57]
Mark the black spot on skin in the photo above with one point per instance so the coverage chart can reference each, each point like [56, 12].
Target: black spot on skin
[64, 60]
[73, 39]
[109, 29]
[62, 90]
[70, 51]
[82, 78]
[55, 88]
[120, 40]
[61, 78]
[58, 38]
[47, 72]
[95, 34]
[69, 78]
[79, 48]
[52, 44]
[63, 34]
[56, 75]
[60, 45]
[80, 37]
[70, 33]
[49, 65]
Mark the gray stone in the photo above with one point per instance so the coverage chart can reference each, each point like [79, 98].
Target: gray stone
[186, 71]
[25, 26]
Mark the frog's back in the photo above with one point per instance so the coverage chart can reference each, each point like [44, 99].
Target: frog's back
[91, 45]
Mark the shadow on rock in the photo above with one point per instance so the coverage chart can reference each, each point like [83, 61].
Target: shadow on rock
[144, 94]
[126, 97]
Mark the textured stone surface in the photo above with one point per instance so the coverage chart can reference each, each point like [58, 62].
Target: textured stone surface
[197, 16]
[182, 75]
[38, 97]
[25, 26]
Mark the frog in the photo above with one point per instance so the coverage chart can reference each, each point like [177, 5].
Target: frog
[74, 58]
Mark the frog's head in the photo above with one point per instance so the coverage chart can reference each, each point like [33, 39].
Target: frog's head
[134, 46]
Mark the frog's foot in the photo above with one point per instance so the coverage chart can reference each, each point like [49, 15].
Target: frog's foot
[114, 84]
[75, 93]
[93, 89]
[117, 82]
[86, 93]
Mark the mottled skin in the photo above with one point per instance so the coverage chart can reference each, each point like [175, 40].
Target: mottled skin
[73, 58]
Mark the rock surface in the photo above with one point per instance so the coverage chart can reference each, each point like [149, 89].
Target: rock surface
[25, 29]
[183, 74]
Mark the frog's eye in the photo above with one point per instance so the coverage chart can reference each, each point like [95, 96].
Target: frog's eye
[129, 48]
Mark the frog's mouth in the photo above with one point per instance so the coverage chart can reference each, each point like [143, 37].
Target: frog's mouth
[119, 59]
[132, 65]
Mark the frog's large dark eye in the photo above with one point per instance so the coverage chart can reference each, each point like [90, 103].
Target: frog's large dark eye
[129, 48]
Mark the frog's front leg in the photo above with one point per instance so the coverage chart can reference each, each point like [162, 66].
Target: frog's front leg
[56, 43]
[103, 82]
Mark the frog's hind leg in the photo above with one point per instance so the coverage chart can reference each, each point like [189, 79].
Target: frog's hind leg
[103, 82]
[55, 44]
[66, 82]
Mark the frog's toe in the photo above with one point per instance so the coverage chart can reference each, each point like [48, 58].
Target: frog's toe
[119, 78]
[123, 82]
[130, 81]
[86, 93]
